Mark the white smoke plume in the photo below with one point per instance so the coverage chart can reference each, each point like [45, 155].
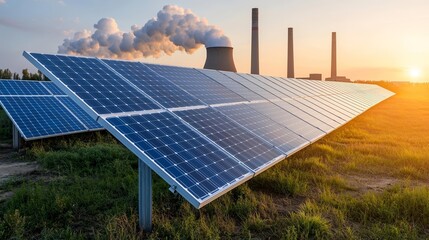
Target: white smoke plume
[173, 29]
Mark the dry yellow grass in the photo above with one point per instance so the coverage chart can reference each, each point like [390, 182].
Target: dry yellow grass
[391, 139]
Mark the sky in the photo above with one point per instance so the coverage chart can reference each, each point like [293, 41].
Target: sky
[376, 40]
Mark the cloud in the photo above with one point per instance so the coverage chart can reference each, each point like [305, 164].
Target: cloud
[2, 2]
[173, 29]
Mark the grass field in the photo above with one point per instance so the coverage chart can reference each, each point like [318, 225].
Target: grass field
[367, 180]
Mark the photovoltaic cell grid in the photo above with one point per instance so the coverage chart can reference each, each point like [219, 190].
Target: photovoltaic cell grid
[52, 88]
[39, 109]
[156, 86]
[203, 151]
[236, 87]
[40, 116]
[81, 115]
[17, 87]
[95, 84]
[189, 159]
[278, 135]
[245, 146]
[197, 84]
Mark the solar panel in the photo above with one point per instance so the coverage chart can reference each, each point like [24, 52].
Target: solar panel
[205, 131]
[188, 160]
[246, 147]
[17, 87]
[40, 116]
[278, 135]
[159, 88]
[306, 113]
[33, 109]
[240, 78]
[81, 115]
[52, 88]
[299, 125]
[234, 86]
[267, 85]
[197, 84]
[96, 84]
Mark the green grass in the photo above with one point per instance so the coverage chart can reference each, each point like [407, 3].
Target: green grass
[88, 188]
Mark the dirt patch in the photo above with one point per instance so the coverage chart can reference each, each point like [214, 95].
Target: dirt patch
[8, 170]
[286, 205]
[10, 167]
[368, 183]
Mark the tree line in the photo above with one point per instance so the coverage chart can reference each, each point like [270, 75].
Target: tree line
[26, 75]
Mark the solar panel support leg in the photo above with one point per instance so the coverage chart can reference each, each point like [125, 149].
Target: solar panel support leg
[145, 197]
[16, 137]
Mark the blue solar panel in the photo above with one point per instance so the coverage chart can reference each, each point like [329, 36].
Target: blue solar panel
[335, 113]
[298, 125]
[156, 86]
[197, 84]
[226, 81]
[284, 86]
[187, 158]
[52, 88]
[79, 113]
[40, 116]
[266, 84]
[240, 78]
[246, 147]
[276, 134]
[97, 85]
[22, 87]
[300, 111]
[312, 101]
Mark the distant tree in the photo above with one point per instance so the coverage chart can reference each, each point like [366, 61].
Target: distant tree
[5, 74]
[25, 74]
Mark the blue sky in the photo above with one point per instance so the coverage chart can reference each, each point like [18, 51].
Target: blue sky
[380, 39]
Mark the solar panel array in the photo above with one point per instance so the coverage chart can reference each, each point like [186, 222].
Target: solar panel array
[205, 131]
[40, 109]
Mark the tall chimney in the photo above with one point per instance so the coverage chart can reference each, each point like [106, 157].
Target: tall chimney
[334, 56]
[220, 58]
[254, 69]
[290, 64]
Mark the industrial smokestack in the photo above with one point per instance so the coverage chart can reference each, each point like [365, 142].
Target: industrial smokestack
[290, 64]
[220, 58]
[254, 69]
[334, 56]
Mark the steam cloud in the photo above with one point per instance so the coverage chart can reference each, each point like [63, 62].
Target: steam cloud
[174, 29]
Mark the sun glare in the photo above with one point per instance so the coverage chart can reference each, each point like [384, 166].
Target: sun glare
[414, 72]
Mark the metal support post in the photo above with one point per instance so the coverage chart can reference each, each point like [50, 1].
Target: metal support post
[145, 197]
[16, 137]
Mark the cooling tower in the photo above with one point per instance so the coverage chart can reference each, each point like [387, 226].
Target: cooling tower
[290, 64]
[254, 69]
[334, 56]
[220, 58]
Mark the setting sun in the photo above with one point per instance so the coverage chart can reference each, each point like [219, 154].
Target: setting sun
[414, 72]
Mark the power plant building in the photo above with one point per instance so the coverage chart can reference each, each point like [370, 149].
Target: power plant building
[220, 58]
